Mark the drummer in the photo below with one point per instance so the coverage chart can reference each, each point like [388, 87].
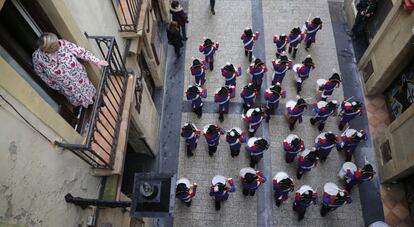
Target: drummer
[349, 110]
[303, 71]
[350, 140]
[222, 97]
[272, 96]
[324, 143]
[212, 134]
[295, 112]
[220, 189]
[282, 185]
[333, 197]
[359, 176]
[198, 70]
[195, 95]
[257, 70]
[191, 134]
[184, 191]
[281, 66]
[251, 180]
[256, 147]
[248, 95]
[230, 73]
[323, 110]
[254, 118]
[304, 198]
[292, 146]
[235, 137]
[306, 161]
[327, 87]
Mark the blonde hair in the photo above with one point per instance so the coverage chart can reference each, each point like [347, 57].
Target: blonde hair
[48, 42]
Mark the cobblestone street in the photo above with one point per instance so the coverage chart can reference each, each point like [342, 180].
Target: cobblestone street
[269, 17]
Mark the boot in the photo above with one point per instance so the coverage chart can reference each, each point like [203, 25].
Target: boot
[308, 45]
[221, 117]
[294, 53]
[245, 192]
[277, 55]
[321, 126]
[252, 192]
[211, 66]
[312, 121]
[291, 126]
[290, 50]
[250, 56]
[217, 205]
[189, 151]
[341, 126]
[298, 87]
[299, 175]
[212, 150]
[188, 203]
[278, 202]
[246, 52]
[252, 163]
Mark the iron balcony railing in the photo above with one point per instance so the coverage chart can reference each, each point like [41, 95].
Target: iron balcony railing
[127, 13]
[104, 124]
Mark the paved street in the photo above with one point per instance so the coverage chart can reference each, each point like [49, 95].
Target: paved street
[269, 17]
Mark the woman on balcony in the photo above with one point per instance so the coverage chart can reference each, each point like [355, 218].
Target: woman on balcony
[57, 65]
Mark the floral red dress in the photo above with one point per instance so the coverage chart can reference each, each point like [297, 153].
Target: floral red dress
[66, 74]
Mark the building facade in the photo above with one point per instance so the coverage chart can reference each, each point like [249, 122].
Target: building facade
[47, 149]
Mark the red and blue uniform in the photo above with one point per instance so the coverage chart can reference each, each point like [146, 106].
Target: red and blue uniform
[359, 176]
[323, 110]
[199, 73]
[301, 202]
[195, 95]
[256, 148]
[280, 42]
[191, 135]
[350, 141]
[209, 51]
[348, 112]
[230, 73]
[303, 72]
[324, 145]
[186, 196]
[213, 139]
[257, 71]
[253, 119]
[331, 201]
[311, 30]
[223, 99]
[292, 150]
[235, 137]
[281, 190]
[248, 41]
[253, 186]
[273, 98]
[306, 163]
[223, 195]
[295, 114]
[327, 88]
[248, 95]
[294, 39]
[280, 70]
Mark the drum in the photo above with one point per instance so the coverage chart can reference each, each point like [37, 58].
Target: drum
[291, 137]
[305, 188]
[290, 104]
[331, 188]
[321, 104]
[319, 83]
[345, 166]
[296, 66]
[218, 179]
[304, 153]
[184, 181]
[349, 132]
[280, 176]
[246, 170]
[205, 128]
[251, 141]
[320, 136]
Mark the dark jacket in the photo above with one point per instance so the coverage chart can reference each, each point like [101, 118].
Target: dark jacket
[179, 15]
[174, 37]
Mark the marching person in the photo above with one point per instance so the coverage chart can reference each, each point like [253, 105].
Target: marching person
[295, 113]
[282, 185]
[257, 70]
[292, 145]
[254, 117]
[281, 66]
[302, 72]
[220, 189]
[222, 97]
[256, 147]
[294, 38]
[174, 38]
[323, 110]
[350, 140]
[358, 177]
[280, 42]
[329, 86]
[191, 134]
[324, 143]
[249, 40]
[272, 96]
[304, 198]
[311, 28]
[179, 16]
[184, 191]
[212, 134]
[332, 202]
[230, 73]
[306, 161]
[235, 137]
[198, 70]
[208, 48]
[248, 95]
[195, 95]
[251, 180]
[349, 110]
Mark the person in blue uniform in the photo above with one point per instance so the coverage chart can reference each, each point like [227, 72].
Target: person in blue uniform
[311, 29]
[295, 113]
[185, 194]
[324, 144]
[212, 134]
[304, 198]
[332, 202]
[221, 191]
[257, 70]
[281, 66]
[294, 38]
[191, 134]
[329, 86]
[302, 72]
[251, 182]
[248, 95]
[306, 162]
[292, 146]
[281, 188]
[323, 110]
[254, 118]
[198, 70]
[249, 40]
[222, 97]
[195, 95]
[358, 177]
[256, 150]
[230, 73]
[280, 42]
[209, 48]
[272, 96]
[350, 140]
[235, 137]
[349, 110]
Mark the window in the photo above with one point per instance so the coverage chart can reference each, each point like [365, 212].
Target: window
[146, 74]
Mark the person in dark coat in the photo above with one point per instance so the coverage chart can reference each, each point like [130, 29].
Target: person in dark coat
[174, 38]
[366, 9]
[212, 4]
[179, 16]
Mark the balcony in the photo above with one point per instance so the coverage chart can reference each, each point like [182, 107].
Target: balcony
[128, 16]
[105, 139]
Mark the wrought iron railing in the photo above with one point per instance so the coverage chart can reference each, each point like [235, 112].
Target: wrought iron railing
[127, 13]
[104, 124]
